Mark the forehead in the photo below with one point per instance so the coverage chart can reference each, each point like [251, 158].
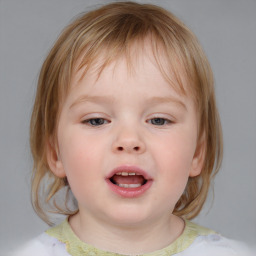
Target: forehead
[140, 85]
[135, 57]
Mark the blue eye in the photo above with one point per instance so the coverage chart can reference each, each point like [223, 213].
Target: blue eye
[159, 121]
[95, 121]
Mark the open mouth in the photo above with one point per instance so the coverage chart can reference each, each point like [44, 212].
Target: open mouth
[128, 179]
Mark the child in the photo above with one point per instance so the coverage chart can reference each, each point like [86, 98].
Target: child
[125, 124]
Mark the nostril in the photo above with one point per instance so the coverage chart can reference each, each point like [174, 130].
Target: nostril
[134, 148]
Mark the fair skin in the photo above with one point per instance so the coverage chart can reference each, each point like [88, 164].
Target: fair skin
[138, 122]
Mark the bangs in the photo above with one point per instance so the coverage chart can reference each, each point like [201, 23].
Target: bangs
[108, 39]
[166, 61]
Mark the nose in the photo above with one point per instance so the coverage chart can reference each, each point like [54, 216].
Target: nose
[129, 141]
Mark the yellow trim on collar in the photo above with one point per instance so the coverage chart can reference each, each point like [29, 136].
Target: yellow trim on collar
[76, 247]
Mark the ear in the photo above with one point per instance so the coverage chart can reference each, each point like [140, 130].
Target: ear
[53, 160]
[199, 157]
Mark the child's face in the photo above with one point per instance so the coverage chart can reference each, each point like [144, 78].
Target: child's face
[131, 123]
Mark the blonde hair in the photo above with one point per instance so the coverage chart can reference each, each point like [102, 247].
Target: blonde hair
[112, 30]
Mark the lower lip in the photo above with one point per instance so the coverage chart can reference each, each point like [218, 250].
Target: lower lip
[129, 192]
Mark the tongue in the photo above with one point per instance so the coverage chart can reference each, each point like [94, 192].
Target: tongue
[134, 179]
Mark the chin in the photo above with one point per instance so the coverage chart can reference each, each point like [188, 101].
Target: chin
[129, 216]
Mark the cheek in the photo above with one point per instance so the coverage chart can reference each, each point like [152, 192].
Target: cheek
[80, 158]
[175, 153]
[174, 159]
[76, 147]
[80, 165]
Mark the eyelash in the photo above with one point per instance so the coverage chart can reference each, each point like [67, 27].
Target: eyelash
[95, 121]
[163, 121]
[159, 121]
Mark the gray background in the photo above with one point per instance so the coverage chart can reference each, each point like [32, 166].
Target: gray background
[227, 31]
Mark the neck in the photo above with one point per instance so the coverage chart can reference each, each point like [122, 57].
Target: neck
[127, 239]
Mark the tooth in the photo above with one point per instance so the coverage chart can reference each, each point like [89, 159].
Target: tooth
[129, 185]
[134, 185]
[123, 185]
[119, 173]
[131, 173]
[124, 173]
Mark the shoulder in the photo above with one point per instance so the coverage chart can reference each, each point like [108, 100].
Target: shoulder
[215, 244]
[210, 243]
[43, 245]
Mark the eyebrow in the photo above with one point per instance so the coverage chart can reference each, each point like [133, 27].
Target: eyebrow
[157, 100]
[111, 99]
[96, 99]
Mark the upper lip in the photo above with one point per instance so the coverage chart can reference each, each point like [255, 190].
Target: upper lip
[129, 169]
